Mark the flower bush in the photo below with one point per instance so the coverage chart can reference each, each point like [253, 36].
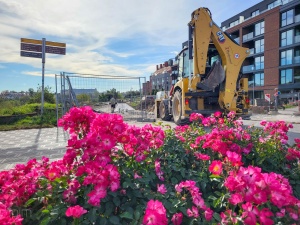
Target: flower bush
[213, 171]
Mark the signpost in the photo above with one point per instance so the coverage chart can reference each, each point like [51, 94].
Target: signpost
[268, 98]
[38, 49]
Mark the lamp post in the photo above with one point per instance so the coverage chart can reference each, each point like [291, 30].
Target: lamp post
[253, 94]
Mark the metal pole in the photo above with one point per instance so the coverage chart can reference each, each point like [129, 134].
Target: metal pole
[56, 100]
[43, 73]
[253, 93]
[64, 92]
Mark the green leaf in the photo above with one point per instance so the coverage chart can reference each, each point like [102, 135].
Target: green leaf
[174, 180]
[101, 221]
[125, 184]
[46, 211]
[45, 221]
[126, 215]
[114, 220]
[116, 201]
[137, 214]
[109, 208]
[30, 201]
[217, 216]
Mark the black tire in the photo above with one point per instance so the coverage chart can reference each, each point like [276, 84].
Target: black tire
[177, 109]
[164, 113]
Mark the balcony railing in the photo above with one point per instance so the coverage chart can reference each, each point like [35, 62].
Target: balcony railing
[237, 40]
[248, 68]
[248, 36]
[297, 18]
[297, 59]
[297, 39]
[252, 51]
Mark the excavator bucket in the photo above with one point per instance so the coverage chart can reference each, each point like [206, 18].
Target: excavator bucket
[215, 76]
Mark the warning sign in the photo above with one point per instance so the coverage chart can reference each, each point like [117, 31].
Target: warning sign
[268, 97]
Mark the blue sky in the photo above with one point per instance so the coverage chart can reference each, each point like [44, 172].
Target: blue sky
[119, 37]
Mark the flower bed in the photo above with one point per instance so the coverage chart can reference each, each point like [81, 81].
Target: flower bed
[113, 173]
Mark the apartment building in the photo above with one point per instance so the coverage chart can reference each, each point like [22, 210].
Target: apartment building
[161, 79]
[271, 30]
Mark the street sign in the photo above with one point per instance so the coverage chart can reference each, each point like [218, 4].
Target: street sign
[31, 54]
[268, 97]
[57, 44]
[39, 42]
[31, 41]
[31, 47]
[55, 50]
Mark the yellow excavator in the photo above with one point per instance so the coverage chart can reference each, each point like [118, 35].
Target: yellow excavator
[207, 77]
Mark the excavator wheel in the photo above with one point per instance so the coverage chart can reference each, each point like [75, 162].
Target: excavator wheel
[164, 111]
[177, 109]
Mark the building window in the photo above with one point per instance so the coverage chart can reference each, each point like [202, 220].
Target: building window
[287, 18]
[287, 38]
[259, 63]
[297, 75]
[286, 57]
[286, 76]
[259, 45]
[260, 28]
[255, 13]
[232, 24]
[273, 4]
[259, 79]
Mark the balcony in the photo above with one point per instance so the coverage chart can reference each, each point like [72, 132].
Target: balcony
[252, 51]
[247, 69]
[247, 37]
[297, 39]
[297, 59]
[297, 18]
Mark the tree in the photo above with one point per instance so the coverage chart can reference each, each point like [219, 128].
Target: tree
[48, 96]
[31, 92]
[83, 98]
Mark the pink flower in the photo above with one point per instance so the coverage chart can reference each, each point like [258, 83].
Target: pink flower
[208, 213]
[218, 114]
[234, 158]
[236, 199]
[155, 214]
[200, 156]
[136, 176]
[158, 171]
[75, 211]
[215, 167]
[193, 212]
[161, 189]
[177, 218]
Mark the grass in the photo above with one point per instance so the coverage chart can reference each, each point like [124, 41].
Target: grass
[16, 117]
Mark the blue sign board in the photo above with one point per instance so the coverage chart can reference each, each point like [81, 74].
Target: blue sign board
[31, 54]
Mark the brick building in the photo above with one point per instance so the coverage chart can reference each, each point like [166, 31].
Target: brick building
[271, 30]
[161, 79]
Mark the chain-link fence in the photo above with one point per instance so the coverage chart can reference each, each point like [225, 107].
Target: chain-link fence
[73, 89]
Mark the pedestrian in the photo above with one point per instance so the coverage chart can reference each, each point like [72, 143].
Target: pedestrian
[276, 98]
[113, 104]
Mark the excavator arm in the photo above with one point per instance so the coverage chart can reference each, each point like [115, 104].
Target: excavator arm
[203, 32]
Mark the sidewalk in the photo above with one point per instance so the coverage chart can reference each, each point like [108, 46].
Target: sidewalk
[290, 115]
[19, 146]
